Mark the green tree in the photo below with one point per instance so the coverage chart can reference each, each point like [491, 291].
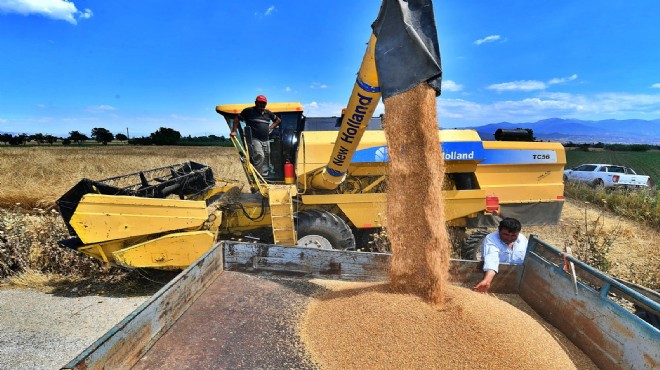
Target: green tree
[165, 136]
[50, 139]
[121, 137]
[23, 138]
[38, 138]
[102, 135]
[5, 138]
[77, 137]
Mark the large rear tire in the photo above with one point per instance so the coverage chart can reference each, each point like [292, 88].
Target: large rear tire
[471, 249]
[324, 230]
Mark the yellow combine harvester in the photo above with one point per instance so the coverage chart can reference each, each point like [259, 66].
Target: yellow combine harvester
[337, 194]
[133, 221]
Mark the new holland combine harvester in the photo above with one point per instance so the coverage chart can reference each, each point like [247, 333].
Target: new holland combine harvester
[168, 217]
[326, 192]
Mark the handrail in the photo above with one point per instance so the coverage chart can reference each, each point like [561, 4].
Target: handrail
[254, 177]
[605, 282]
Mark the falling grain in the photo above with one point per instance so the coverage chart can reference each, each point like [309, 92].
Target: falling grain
[415, 211]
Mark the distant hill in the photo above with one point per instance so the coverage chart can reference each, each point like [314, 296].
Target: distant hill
[629, 131]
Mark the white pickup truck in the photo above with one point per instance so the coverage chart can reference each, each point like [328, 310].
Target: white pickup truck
[607, 175]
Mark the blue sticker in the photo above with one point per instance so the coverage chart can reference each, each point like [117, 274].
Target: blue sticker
[452, 150]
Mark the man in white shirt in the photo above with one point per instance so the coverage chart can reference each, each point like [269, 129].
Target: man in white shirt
[506, 245]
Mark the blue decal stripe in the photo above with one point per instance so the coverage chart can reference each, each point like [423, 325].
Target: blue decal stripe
[366, 87]
[334, 173]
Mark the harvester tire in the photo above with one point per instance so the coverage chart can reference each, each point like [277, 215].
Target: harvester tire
[322, 229]
[471, 248]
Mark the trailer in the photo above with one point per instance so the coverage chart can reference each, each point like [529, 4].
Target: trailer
[235, 305]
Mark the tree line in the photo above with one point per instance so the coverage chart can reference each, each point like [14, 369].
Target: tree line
[162, 136]
[612, 147]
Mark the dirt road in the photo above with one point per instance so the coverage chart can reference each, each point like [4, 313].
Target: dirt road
[46, 331]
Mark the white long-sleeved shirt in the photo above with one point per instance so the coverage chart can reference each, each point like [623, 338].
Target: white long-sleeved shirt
[494, 251]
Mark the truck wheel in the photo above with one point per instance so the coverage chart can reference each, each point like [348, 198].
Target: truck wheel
[324, 230]
[598, 184]
[471, 248]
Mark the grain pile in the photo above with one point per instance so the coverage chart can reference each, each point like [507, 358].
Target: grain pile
[366, 326]
[415, 212]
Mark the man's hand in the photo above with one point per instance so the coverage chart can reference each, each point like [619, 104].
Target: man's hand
[484, 285]
[233, 133]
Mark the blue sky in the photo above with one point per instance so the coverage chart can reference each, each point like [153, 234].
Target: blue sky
[141, 65]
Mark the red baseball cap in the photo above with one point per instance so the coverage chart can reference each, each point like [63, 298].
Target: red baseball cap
[262, 99]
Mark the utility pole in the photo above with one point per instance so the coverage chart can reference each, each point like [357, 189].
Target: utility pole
[127, 136]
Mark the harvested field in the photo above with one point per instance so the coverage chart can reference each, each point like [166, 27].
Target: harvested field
[359, 326]
[35, 177]
[633, 253]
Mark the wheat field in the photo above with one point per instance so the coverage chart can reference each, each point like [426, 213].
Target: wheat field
[35, 177]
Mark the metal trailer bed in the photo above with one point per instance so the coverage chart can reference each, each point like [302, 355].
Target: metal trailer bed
[236, 305]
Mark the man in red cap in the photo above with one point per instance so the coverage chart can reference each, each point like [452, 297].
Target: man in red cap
[258, 119]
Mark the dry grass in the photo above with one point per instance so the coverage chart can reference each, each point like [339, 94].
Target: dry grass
[639, 205]
[627, 248]
[35, 177]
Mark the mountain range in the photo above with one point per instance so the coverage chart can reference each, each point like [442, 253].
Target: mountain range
[629, 131]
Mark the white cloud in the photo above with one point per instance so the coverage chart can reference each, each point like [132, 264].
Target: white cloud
[101, 108]
[317, 85]
[449, 85]
[85, 14]
[491, 38]
[331, 109]
[287, 89]
[562, 80]
[269, 11]
[656, 86]
[54, 9]
[528, 85]
[316, 109]
[460, 113]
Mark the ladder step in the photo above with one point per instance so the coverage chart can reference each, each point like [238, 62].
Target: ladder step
[281, 213]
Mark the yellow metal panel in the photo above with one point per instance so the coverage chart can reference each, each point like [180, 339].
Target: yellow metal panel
[273, 107]
[367, 210]
[108, 217]
[173, 251]
[518, 183]
[365, 215]
[463, 203]
[344, 198]
[103, 251]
